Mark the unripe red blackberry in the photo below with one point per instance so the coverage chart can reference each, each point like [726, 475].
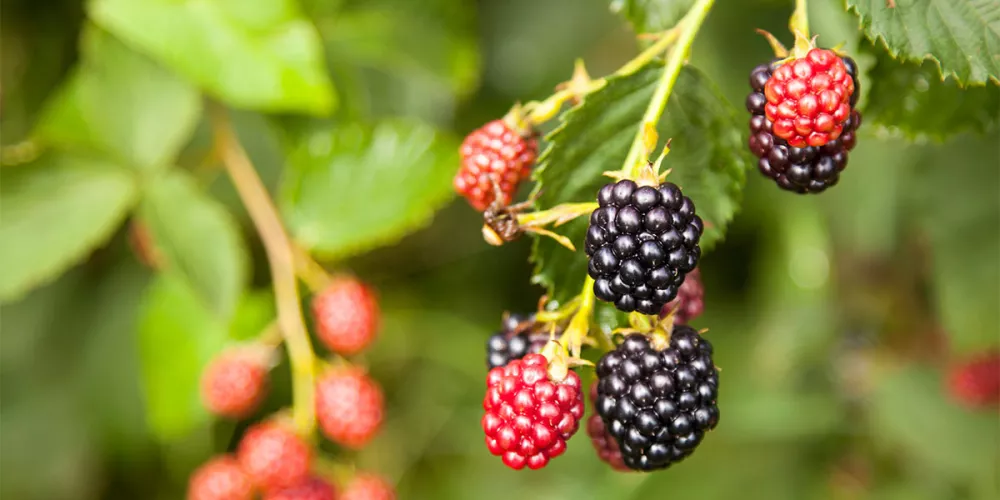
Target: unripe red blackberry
[494, 153]
[975, 382]
[690, 301]
[347, 316]
[529, 416]
[800, 169]
[604, 444]
[641, 242]
[809, 99]
[221, 478]
[313, 488]
[273, 456]
[368, 487]
[348, 406]
[658, 405]
[234, 384]
[515, 340]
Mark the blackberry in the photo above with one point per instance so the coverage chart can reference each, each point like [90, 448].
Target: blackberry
[641, 242]
[802, 170]
[514, 341]
[658, 404]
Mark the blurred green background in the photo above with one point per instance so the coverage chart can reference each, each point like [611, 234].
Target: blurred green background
[834, 316]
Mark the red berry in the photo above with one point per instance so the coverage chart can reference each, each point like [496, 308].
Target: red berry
[274, 457]
[497, 151]
[348, 406]
[313, 488]
[220, 479]
[234, 384]
[809, 99]
[605, 445]
[347, 316]
[529, 416]
[690, 301]
[976, 382]
[368, 487]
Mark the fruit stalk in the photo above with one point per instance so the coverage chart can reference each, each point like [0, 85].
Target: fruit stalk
[281, 258]
[689, 27]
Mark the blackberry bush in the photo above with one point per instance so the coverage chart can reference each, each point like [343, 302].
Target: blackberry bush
[641, 242]
[658, 404]
[806, 169]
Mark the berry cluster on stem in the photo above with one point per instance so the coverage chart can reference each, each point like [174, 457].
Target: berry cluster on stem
[276, 457]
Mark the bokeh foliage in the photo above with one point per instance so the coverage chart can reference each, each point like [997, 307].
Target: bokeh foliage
[833, 317]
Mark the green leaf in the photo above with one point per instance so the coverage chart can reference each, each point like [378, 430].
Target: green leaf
[707, 160]
[198, 238]
[404, 57]
[964, 449]
[55, 211]
[122, 104]
[257, 54]
[178, 336]
[962, 36]
[352, 188]
[962, 239]
[254, 313]
[651, 16]
[912, 99]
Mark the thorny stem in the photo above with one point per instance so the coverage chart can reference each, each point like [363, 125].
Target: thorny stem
[689, 27]
[281, 257]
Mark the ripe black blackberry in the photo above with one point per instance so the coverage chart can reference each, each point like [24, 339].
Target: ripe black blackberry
[802, 170]
[641, 242]
[658, 404]
[514, 341]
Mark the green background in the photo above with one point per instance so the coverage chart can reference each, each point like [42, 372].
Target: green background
[834, 317]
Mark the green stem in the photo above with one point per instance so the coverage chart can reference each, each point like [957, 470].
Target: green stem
[281, 257]
[689, 27]
[579, 327]
[542, 111]
[651, 52]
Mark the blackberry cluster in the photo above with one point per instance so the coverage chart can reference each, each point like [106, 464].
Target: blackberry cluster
[514, 341]
[640, 243]
[802, 170]
[658, 404]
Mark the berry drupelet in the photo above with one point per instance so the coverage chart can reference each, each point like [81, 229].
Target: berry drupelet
[809, 169]
[658, 404]
[641, 242]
